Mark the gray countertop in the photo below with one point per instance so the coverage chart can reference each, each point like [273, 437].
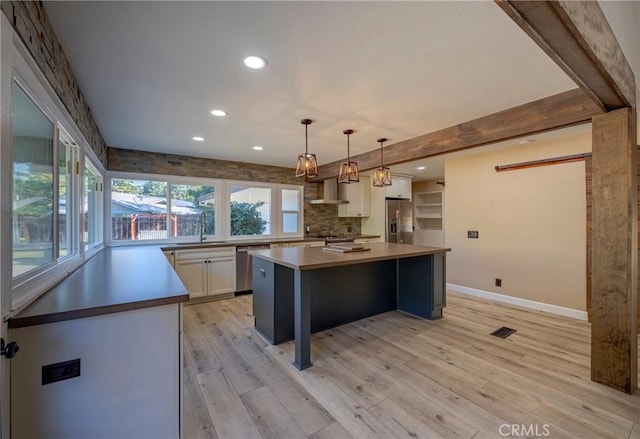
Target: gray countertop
[303, 258]
[116, 279]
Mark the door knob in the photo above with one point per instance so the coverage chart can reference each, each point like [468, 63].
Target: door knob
[10, 350]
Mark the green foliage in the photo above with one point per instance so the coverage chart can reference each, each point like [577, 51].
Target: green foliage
[246, 220]
[39, 187]
[124, 186]
[154, 188]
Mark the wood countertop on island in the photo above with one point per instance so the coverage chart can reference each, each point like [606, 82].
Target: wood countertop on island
[301, 258]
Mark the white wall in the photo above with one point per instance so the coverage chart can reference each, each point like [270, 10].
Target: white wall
[531, 222]
[129, 382]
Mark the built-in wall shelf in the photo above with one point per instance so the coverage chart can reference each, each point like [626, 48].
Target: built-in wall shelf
[428, 212]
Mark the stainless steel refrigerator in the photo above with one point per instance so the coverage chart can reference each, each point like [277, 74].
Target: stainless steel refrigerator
[399, 221]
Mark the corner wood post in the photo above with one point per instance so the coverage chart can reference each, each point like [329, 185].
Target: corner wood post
[614, 350]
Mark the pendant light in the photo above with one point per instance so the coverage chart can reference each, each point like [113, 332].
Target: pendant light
[348, 170]
[382, 175]
[307, 163]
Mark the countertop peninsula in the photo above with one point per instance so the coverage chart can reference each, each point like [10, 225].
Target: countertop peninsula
[116, 279]
[315, 257]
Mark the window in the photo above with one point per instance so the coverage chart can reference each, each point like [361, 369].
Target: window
[250, 210]
[154, 208]
[192, 207]
[33, 185]
[44, 194]
[67, 196]
[290, 210]
[92, 233]
[138, 209]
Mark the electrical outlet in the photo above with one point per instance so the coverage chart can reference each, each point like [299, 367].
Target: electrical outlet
[52, 373]
[498, 282]
[474, 234]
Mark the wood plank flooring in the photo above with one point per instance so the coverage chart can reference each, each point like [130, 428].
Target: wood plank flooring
[395, 376]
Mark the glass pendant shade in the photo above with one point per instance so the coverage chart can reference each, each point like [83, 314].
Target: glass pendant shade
[382, 175]
[307, 163]
[348, 170]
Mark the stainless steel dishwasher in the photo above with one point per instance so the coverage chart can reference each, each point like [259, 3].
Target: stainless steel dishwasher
[243, 266]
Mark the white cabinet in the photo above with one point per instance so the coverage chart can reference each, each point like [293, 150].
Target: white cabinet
[400, 188]
[207, 272]
[170, 255]
[365, 240]
[359, 197]
[307, 244]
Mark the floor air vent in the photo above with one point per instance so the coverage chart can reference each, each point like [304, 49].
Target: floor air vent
[503, 332]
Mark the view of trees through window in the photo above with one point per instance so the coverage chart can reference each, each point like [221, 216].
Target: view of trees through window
[33, 194]
[140, 210]
[156, 209]
[250, 210]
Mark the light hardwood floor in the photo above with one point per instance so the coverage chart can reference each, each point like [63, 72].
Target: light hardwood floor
[395, 376]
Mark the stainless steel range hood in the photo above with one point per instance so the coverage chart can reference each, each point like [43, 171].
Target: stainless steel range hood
[329, 193]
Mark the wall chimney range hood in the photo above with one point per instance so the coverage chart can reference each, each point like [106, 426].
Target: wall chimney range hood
[329, 193]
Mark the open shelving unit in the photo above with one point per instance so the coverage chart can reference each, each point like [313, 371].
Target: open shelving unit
[428, 208]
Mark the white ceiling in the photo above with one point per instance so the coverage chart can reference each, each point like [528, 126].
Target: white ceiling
[152, 71]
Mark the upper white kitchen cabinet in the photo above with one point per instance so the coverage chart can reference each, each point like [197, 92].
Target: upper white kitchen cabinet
[359, 197]
[400, 188]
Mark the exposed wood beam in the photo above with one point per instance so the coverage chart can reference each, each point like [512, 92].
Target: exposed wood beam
[614, 348]
[577, 36]
[569, 108]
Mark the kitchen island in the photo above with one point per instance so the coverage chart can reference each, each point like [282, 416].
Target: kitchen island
[299, 291]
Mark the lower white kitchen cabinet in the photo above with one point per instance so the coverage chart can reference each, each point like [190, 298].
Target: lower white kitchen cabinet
[307, 244]
[207, 272]
[365, 240]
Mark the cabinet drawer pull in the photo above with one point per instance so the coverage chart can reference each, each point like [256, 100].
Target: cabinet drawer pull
[263, 272]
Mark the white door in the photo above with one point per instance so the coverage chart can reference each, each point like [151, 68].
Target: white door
[222, 275]
[192, 273]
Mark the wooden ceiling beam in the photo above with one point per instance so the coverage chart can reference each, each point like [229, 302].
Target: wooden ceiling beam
[565, 109]
[577, 36]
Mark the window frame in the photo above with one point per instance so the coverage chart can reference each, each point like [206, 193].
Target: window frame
[222, 189]
[169, 180]
[19, 68]
[300, 211]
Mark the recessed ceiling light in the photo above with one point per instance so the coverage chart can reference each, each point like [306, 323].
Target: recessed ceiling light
[255, 62]
[258, 148]
[198, 138]
[219, 113]
[421, 168]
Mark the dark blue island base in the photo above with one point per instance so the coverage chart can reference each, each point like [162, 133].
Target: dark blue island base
[291, 303]
[299, 291]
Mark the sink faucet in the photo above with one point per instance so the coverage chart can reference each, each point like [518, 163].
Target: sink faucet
[203, 225]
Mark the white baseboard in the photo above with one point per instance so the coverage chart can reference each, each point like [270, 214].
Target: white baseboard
[525, 303]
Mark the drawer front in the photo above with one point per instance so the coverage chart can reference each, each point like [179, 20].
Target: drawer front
[205, 253]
